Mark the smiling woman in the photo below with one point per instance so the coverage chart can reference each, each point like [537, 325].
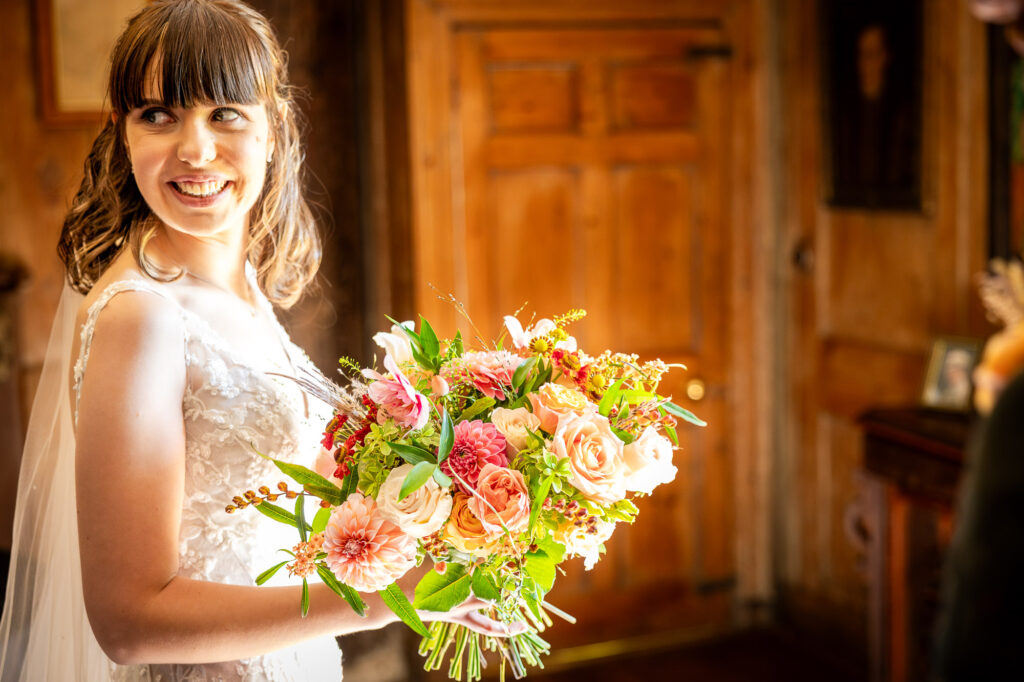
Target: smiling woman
[162, 381]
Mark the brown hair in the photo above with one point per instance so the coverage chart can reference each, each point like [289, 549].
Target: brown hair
[176, 38]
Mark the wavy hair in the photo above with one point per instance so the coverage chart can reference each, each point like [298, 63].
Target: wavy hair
[200, 51]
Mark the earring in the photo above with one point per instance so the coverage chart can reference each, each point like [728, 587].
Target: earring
[270, 155]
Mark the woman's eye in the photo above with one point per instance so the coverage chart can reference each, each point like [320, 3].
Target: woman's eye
[155, 116]
[227, 115]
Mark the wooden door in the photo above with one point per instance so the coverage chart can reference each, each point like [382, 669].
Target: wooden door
[578, 163]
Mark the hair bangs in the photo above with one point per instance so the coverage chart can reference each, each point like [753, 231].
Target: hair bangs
[197, 54]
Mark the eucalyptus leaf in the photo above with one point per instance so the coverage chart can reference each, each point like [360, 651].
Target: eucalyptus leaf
[684, 414]
[276, 513]
[443, 592]
[269, 573]
[415, 479]
[342, 590]
[399, 603]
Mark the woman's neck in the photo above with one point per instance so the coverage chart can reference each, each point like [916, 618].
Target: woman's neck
[218, 261]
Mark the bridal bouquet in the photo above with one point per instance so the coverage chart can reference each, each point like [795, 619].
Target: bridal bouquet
[497, 464]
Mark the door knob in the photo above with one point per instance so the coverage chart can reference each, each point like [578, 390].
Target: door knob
[695, 389]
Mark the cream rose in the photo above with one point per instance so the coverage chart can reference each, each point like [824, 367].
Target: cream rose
[516, 426]
[595, 457]
[422, 512]
[552, 401]
[648, 462]
[502, 498]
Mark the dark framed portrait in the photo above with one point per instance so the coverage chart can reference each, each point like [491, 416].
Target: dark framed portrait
[872, 71]
[948, 383]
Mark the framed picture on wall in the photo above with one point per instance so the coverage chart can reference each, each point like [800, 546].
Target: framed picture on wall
[947, 383]
[872, 92]
[73, 41]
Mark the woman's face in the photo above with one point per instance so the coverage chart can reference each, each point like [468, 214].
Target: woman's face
[200, 169]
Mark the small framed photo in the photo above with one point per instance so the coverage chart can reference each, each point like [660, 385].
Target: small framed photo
[947, 383]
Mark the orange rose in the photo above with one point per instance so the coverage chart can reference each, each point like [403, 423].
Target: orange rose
[465, 531]
[503, 499]
[552, 401]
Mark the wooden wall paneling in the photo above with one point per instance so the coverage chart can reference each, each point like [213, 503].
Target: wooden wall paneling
[595, 156]
[882, 285]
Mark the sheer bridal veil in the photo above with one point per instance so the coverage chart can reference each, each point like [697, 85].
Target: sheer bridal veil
[44, 633]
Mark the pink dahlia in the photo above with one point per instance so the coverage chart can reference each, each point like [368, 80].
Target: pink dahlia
[477, 444]
[364, 550]
[491, 371]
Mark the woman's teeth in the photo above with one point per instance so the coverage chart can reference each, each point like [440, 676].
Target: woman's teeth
[201, 189]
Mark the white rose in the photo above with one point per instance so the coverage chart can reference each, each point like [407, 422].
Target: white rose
[515, 425]
[578, 542]
[396, 344]
[649, 462]
[422, 512]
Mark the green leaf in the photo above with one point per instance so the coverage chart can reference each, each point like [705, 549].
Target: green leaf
[342, 590]
[331, 495]
[270, 572]
[428, 339]
[304, 477]
[444, 447]
[484, 586]
[672, 435]
[276, 513]
[411, 333]
[416, 478]
[522, 371]
[478, 406]
[554, 550]
[320, 520]
[305, 597]
[411, 453]
[456, 348]
[442, 478]
[624, 436]
[421, 359]
[538, 500]
[399, 603]
[635, 395]
[684, 414]
[609, 398]
[437, 592]
[350, 484]
[541, 568]
[300, 517]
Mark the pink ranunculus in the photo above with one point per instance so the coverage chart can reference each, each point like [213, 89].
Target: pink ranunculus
[477, 444]
[491, 371]
[501, 498]
[596, 465]
[364, 550]
[397, 398]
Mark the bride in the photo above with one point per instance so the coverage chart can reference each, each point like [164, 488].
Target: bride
[189, 226]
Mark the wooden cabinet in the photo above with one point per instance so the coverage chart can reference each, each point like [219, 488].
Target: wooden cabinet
[916, 457]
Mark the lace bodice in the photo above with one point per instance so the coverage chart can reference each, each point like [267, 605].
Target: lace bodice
[231, 410]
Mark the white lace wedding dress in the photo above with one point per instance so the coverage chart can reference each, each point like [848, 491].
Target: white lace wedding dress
[232, 409]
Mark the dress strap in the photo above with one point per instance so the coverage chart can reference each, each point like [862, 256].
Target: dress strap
[89, 326]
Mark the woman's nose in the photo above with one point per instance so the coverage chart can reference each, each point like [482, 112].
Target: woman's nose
[196, 145]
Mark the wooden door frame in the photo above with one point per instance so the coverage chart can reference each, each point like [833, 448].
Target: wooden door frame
[752, 222]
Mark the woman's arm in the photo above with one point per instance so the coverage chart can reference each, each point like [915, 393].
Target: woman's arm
[130, 472]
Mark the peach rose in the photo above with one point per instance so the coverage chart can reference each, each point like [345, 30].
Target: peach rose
[648, 461]
[595, 457]
[505, 500]
[464, 530]
[422, 512]
[515, 425]
[553, 401]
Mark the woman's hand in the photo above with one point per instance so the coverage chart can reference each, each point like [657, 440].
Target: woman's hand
[469, 613]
